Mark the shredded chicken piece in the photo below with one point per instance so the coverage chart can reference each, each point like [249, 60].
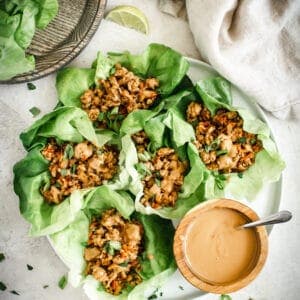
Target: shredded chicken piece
[77, 166]
[222, 143]
[112, 251]
[122, 90]
[165, 174]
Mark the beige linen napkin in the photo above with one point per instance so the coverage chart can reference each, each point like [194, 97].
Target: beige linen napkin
[255, 44]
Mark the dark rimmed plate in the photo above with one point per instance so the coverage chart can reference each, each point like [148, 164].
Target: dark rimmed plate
[64, 38]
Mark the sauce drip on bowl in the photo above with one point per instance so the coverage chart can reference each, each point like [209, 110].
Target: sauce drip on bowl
[216, 250]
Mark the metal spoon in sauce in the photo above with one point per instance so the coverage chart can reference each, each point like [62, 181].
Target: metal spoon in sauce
[280, 217]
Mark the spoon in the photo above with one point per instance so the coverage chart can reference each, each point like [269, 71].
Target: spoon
[280, 217]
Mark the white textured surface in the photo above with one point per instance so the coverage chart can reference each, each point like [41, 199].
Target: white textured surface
[280, 279]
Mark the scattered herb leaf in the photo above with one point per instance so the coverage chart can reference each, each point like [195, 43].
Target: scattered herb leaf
[2, 257]
[2, 286]
[29, 267]
[153, 296]
[101, 116]
[73, 169]
[157, 182]
[34, 111]
[31, 86]
[124, 264]
[111, 246]
[84, 244]
[240, 175]
[221, 152]
[57, 184]
[15, 292]
[181, 287]
[69, 151]
[252, 141]
[242, 140]
[63, 282]
[225, 297]
[45, 286]
[114, 111]
[160, 294]
[213, 146]
[63, 172]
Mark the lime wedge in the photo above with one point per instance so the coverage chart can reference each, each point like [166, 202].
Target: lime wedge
[129, 16]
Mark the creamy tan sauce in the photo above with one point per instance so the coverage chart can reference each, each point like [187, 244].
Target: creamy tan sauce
[218, 252]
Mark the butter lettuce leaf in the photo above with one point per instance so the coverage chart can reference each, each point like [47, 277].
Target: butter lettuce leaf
[157, 260]
[18, 22]
[31, 174]
[215, 94]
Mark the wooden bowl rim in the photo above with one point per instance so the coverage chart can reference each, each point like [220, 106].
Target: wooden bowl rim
[179, 255]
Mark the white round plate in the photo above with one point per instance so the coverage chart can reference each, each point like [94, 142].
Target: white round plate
[266, 202]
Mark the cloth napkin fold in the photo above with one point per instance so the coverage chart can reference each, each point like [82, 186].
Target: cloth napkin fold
[255, 44]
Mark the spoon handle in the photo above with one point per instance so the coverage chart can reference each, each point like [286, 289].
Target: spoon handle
[280, 217]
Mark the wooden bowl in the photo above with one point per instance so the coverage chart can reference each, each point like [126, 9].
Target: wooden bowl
[178, 247]
[64, 38]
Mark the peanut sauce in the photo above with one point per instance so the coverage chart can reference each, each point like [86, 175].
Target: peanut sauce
[216, 250]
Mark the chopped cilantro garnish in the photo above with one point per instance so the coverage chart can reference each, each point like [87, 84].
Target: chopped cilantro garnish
[252, 141]
[73, 169]
[15, 292]
[221, 152]
[45, 286]
[181, 287]
[62, 282]
[242, 140]
[124, 264]
[240, 175]
[2, 257]
[63, 172]
[69, 151]
[29, 267]
[213, 146]
[153, 296]
[2, 286]
[157, 182]
[111, 246]
[34, 111]
[84, 244]
[31, 86]
[101, 116]
[225, 297]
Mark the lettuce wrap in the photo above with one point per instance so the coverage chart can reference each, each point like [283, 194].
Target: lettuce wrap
[157, 261]
[192, 189]
[158, 61]
[215, 93]
[31, 174]
[18, 22]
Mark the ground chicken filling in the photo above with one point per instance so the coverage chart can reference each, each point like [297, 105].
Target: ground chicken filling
[77, 166]
[113, 250]
[221, 141]
[163, 174]
[120, 94]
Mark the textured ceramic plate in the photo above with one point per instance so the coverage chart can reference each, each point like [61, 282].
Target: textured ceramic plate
[63, 39]
[267, 201]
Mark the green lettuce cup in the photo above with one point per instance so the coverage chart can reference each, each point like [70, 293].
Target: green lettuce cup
[209, 107]
[122, 87]
[167, 180]
[66, 159]
[108, 238]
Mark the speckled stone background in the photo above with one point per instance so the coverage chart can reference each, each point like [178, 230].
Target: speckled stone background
[280, 279]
